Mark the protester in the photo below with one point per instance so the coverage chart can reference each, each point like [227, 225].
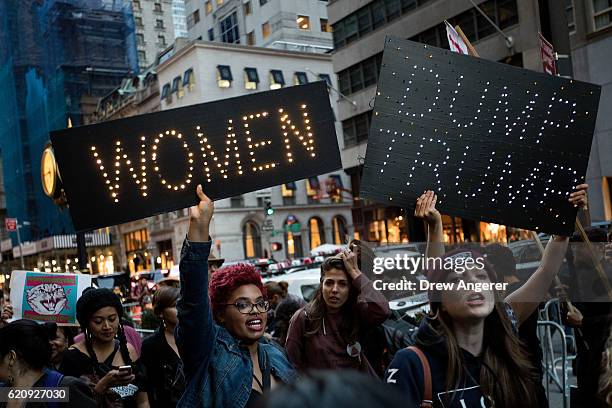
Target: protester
[105, 357]
[227, 361]
[60, 340]
[131, 335]
[160, 359]
[282, 316]
[140, 291]
[325, 333]
[595, 309]
[25, 353]
[214, 263]
[333, 389]
[467, 348]
[605, 380]
[277, 294]
[7, 314]
[502, 260]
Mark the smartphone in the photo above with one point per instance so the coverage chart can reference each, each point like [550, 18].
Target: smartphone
[125, 370]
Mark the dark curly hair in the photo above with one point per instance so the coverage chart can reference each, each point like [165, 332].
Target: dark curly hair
[225, 280]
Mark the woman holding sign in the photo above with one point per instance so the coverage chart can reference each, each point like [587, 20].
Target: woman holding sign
[227, 361]
[467, 352]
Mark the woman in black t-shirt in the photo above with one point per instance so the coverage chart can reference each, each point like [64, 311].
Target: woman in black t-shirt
[163, 367]
[101, 356]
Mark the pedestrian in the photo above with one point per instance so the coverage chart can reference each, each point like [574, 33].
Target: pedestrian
[594, 309]
[277, 293]
[25, 354]
[467, 349]
[325, 334]
[104, 356]
[227, 362]
[163, 366]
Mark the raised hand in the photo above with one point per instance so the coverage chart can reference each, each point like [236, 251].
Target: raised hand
[579, 197]
[349, 258]
[426, 208]
[200, 216]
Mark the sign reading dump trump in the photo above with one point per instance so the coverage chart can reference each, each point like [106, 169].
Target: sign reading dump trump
[495, 142]
[127, 169]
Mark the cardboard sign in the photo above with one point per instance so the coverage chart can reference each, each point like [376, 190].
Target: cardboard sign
[118, 171]
[495, 142]
[47, 297]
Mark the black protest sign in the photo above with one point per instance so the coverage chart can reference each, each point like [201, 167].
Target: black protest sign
[497, 143]
[128, 169]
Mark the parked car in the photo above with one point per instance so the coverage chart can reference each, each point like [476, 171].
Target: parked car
[302, 284]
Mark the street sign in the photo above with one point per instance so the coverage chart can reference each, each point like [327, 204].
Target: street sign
[10, 224]
[268, 225]
[547, 52]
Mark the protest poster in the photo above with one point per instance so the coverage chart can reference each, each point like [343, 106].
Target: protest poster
[47, 297]
[117, 171]
[495, 142]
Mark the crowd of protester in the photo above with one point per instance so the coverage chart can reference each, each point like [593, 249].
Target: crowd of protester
[226, 339]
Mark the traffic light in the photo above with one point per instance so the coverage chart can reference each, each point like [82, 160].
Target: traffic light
[269, 209]
[276, 246]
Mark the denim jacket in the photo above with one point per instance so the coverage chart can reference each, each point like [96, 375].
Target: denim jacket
[218, 371]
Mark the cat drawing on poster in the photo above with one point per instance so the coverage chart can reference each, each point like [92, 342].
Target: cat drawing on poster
[49, 297]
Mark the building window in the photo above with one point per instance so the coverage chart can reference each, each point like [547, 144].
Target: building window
[158, 8]
[300, 78]
[265, 29]
[211, 34]
[356, 129]
[161, 40]
[188, 79]
[165, 94]
[251, 240]
[138, 21]
[237, 201]
[277, 80]
[360, 76]
[251, 38]
[208, 7]
[339, 231]
[219, 2]
[177, 86]
[248, 8]
[602, 13]
[316, 232]
[160, 23]
[251, 78]
[325, 27]
[142, 57]
[136, 4]
[293, 237]
[262, 2]
[229, 29]
[140, 39]
[303, 22]
[569, 11]
[312, 190]
[326, 78]
[288, 193]
[224, 76]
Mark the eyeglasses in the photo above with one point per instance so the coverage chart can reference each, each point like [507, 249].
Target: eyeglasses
[248, 307]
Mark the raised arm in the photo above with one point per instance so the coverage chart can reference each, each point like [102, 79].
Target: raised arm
[196, 330]
[525, 299]
[372, 305]
[426, 209]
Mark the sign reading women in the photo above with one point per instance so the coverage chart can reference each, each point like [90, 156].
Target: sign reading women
[131, 168]
[496, 142]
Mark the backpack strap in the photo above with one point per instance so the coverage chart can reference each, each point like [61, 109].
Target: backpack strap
[53, 379]
[427, 393]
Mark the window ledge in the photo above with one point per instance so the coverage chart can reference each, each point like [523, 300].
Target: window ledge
[599, 33]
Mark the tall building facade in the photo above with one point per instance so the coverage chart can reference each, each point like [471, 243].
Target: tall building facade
[154, 23]
[359, 29]
[590, 25]
[298, 25]
[179, 17]
[307, 212]
[57, 57]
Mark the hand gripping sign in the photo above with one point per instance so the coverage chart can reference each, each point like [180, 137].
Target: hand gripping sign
[127, 169]
[496, 143]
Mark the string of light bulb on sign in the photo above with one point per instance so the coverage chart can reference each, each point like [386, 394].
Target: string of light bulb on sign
[519, 126]
[231, 163]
